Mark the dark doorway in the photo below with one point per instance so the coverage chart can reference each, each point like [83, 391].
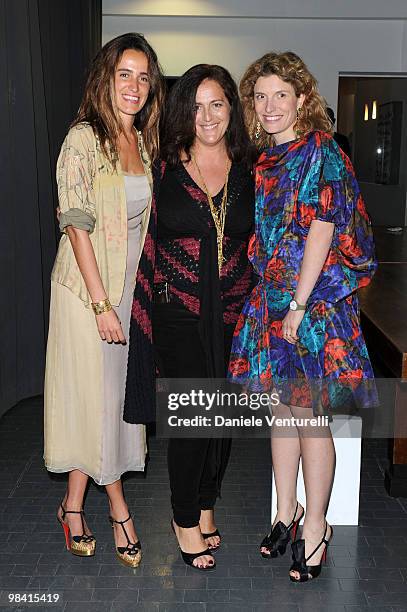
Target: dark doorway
[372, 113]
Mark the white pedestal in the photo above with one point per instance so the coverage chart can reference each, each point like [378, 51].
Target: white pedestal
[343, 507]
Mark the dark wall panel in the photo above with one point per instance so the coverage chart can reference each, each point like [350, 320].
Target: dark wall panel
[45, 49]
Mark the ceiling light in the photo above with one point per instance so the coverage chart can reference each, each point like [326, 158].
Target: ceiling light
[374, 109]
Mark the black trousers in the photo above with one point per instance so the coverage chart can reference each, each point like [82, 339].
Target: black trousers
[196, 466]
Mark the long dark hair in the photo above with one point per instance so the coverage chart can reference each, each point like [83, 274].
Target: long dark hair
[178, 130]
[97, 106]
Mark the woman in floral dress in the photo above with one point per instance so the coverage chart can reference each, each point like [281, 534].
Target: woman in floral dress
[299, 331]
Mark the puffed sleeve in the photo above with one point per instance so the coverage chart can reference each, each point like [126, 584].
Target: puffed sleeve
[330, 191]
[351, 261]
[75, 176]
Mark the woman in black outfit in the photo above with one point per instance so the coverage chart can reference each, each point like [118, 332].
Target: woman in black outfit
[205, 219]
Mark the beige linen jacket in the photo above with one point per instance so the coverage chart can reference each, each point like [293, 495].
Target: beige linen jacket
[92, 196]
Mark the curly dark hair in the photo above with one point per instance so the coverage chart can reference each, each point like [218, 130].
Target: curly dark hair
[97, 106]
[178, 128]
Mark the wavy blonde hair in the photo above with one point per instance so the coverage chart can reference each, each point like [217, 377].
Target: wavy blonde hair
[291, 69]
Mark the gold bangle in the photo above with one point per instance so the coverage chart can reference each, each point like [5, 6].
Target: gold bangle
[100, 307]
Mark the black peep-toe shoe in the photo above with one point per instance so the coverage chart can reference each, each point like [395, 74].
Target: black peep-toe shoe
[189, 558]
[212, 535]
[276, 542]
[308, 572]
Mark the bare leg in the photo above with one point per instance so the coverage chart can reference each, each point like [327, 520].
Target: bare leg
[120, 511]
[285, 452]
[318, 466]
[73, 500]
[207, 525]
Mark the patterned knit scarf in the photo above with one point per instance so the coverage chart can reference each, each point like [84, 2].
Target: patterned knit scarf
[139, 403]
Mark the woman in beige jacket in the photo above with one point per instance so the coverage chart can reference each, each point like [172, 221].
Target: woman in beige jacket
[104, 187]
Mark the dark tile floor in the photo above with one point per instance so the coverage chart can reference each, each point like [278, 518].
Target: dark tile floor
[367, 565]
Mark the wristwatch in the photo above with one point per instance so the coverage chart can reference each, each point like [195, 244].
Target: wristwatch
[294, 305]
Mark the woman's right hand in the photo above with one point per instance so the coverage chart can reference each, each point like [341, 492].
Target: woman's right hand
[109, 327]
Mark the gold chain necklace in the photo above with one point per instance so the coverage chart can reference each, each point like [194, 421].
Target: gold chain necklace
[218, 215]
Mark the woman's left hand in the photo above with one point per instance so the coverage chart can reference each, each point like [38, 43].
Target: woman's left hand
[291, 323]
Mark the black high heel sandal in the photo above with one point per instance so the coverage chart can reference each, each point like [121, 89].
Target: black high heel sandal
[276, 542]
[189, 558]
[308, 572]
[129, 555]
[212, 535]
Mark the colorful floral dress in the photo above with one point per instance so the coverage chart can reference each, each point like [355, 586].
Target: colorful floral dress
[297, 182]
